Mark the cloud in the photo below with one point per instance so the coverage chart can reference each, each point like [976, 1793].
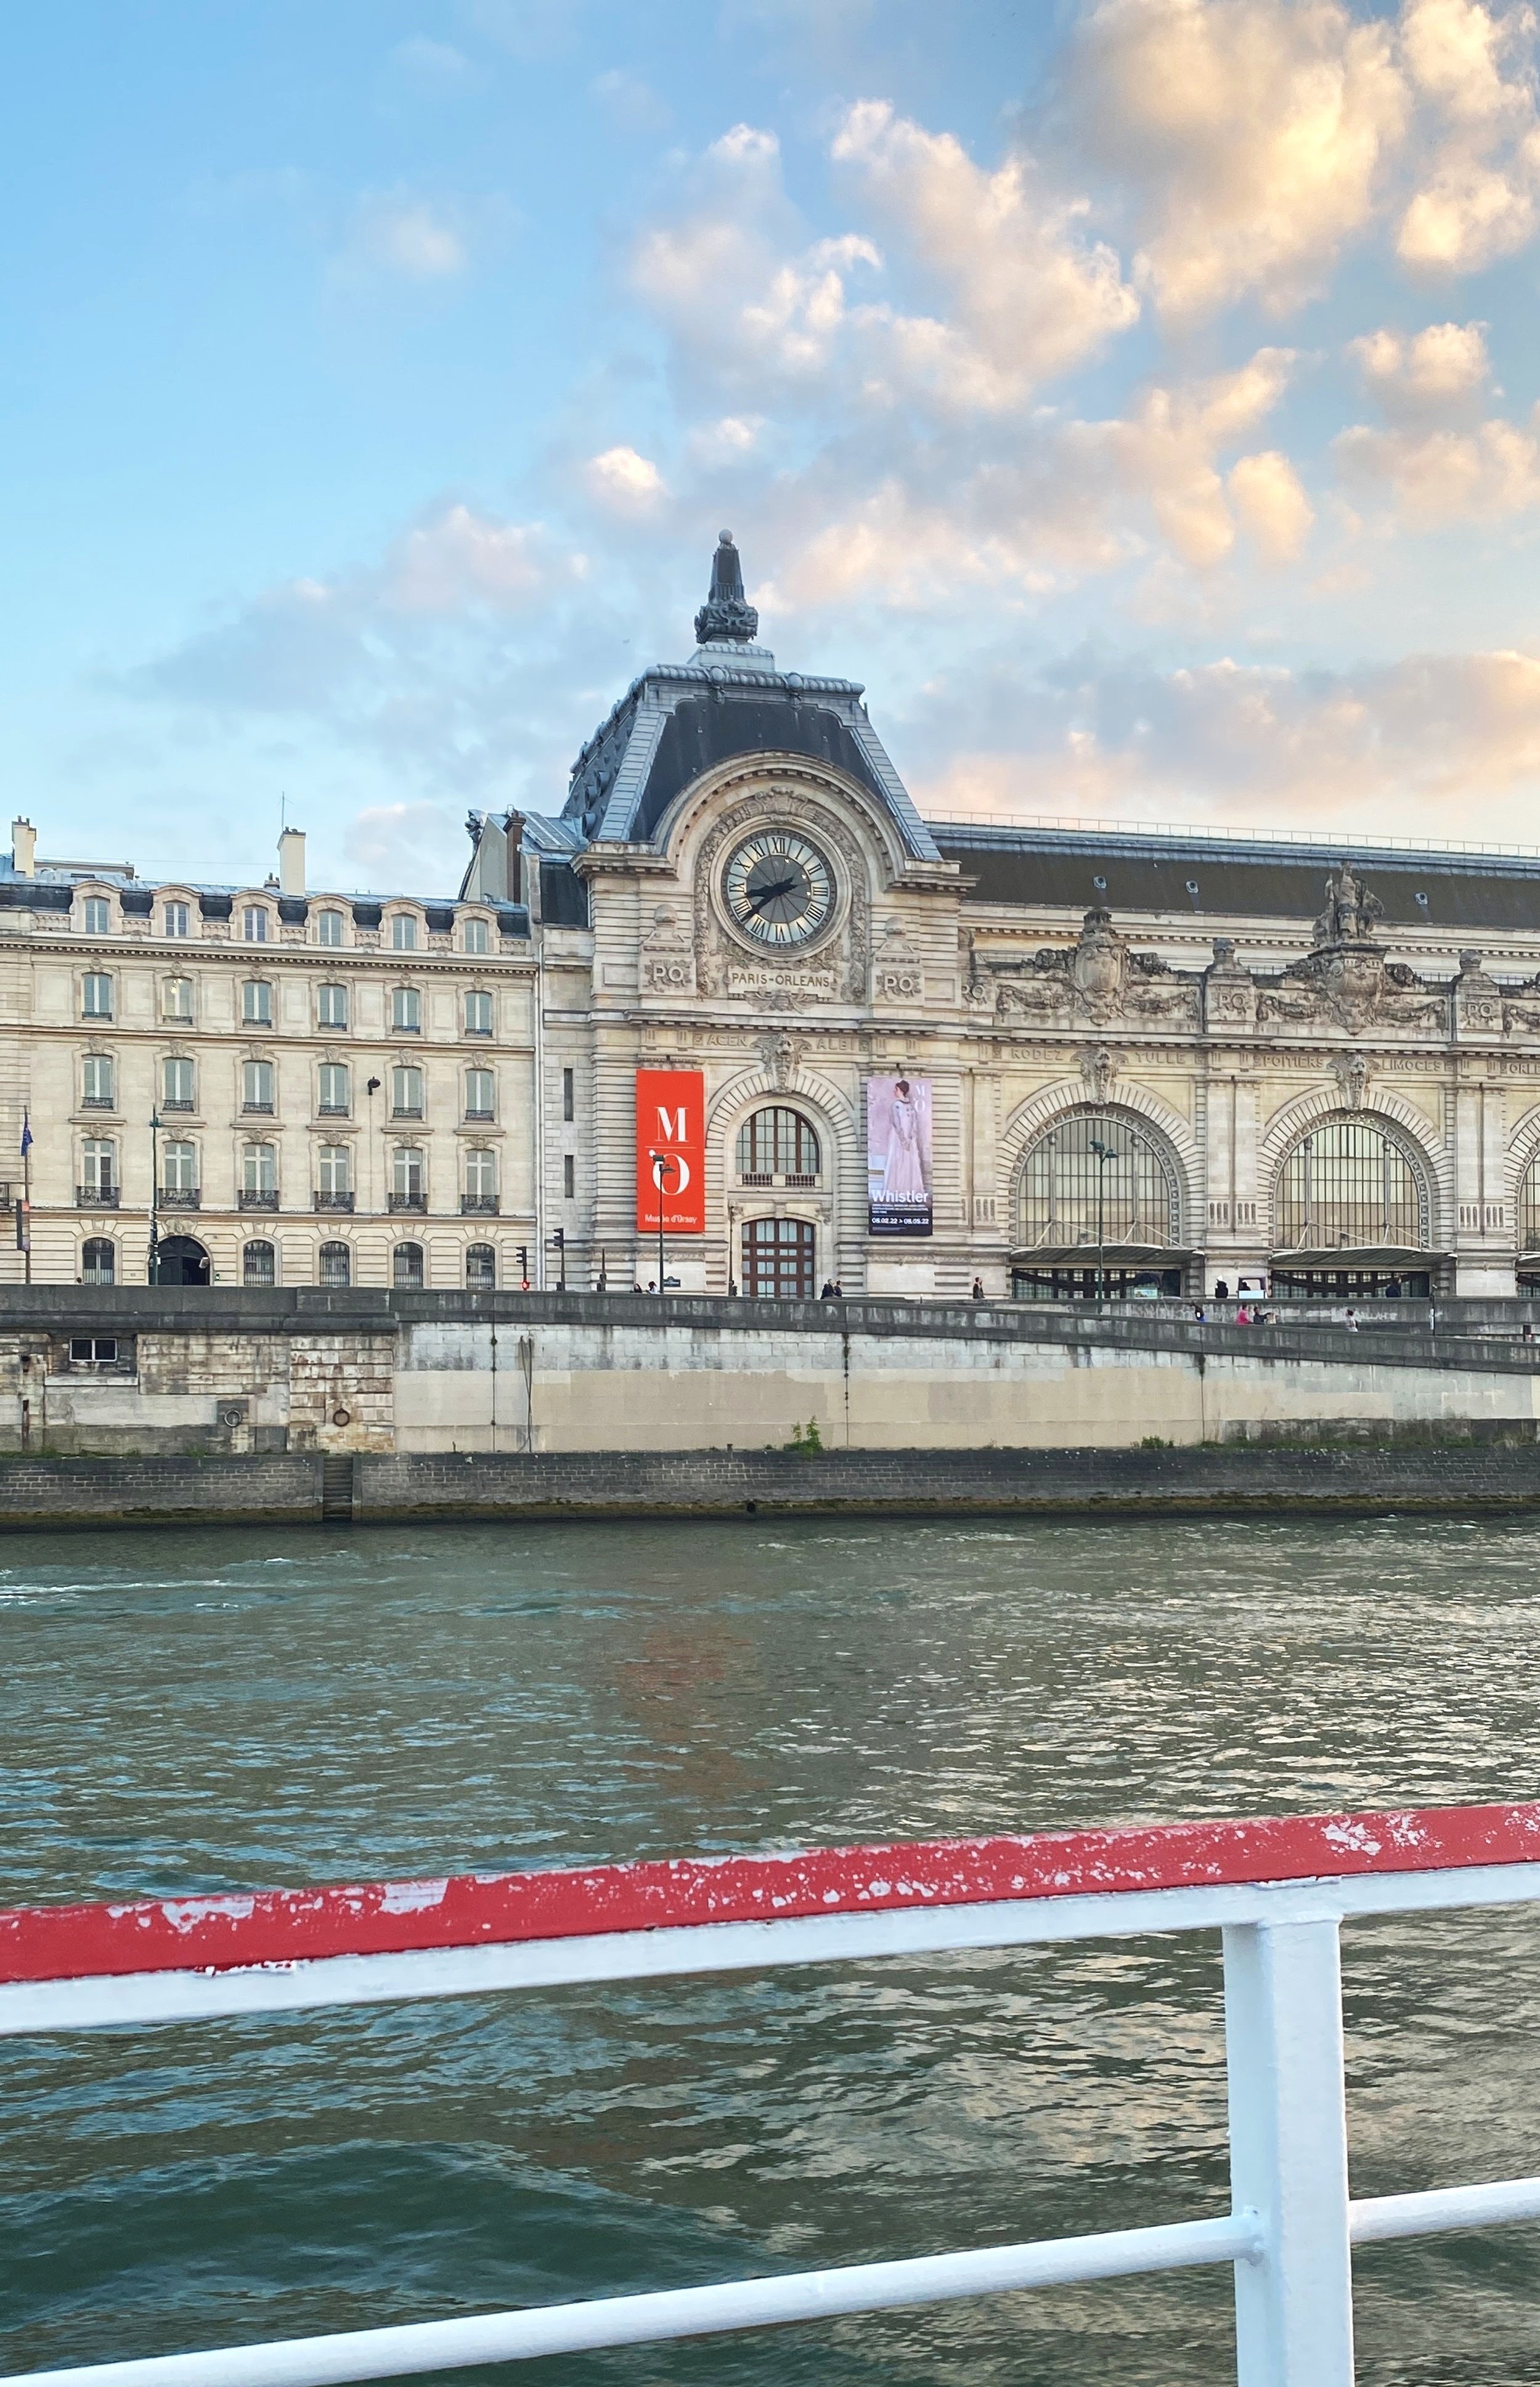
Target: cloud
[1444, 477]
[422, 68]
[1391, 745]
[1435, 371]
[1473, 71]
[624, 482]
[1271, 505]
[457, 558]
[1249, 135]
[630, 103]
[413, 238]
[1028, 296]
[730, 440]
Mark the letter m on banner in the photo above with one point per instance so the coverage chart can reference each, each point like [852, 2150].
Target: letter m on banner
[671, 1151]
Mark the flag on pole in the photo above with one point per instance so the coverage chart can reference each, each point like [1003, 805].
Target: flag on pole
[26, 1135]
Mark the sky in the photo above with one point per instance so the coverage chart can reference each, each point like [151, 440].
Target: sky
[1139, 396]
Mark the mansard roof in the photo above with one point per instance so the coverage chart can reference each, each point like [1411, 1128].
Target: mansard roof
[1191, 873]
[678, 720]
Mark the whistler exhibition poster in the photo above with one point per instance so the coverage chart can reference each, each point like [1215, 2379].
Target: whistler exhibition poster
[898, 1156]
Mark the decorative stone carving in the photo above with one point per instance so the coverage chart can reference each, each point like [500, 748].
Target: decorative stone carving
[1098, 1069]
[1098, 978]
[666, 956]
[1230, 990]
[1351, 1072]
[896, 973]
[1351, 910]
[1345, 979]
[1478, 999]
[781, 1058]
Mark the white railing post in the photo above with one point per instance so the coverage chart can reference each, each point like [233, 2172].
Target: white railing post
[1288, 2152]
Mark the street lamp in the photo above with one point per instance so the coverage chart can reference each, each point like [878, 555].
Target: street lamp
[660, 1160]
[1104, 1152]
[154, 1276]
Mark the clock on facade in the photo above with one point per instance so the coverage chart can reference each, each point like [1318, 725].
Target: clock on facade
[778, 887]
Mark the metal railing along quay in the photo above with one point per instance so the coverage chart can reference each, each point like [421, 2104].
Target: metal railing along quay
[1276, 1889]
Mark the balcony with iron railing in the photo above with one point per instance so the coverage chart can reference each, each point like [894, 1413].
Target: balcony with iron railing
[97, 1197]
[258, 1197]
[415, 1203]
[333, 1201]
[480, 1206]
[181, 1197]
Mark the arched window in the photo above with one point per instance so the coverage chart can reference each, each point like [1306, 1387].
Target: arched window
[328, 929]
[403, 940]
[256, 1085]
[1350, 1184]
[331, 1007]
[481, 1267]
[406, 1092]
[478, 1094]
[97, 916]
[259, 1264]
[406, 1010]
[96, 1082]
[777, 1146]
[1097, 1178]
[332, 1087]
[476, 941]
[176, 998]
[177, 1082]
[98, 1260]
[406, 1178]
[478, 1010]
[336, 1265]
[254, 924]
[257, 1003]
[97, 995]
[1529, 1208]
[406, 1267]
[99, 1168]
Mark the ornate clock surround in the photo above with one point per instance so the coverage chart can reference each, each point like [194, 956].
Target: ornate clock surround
[832, 966]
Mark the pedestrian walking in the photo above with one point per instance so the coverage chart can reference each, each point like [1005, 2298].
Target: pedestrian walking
[1351, 1322]
[977, 1288]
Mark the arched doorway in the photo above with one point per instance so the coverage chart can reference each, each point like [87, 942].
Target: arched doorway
[779, 1256]
[181, 1259]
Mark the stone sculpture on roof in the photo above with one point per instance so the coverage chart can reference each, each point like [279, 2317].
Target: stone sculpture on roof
[727, 612]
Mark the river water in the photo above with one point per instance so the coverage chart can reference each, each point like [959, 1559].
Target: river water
[221, 1710]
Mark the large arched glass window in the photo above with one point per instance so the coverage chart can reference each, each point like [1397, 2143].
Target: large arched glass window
[778, 1143]
[259, 1263]
[481, 1267]
[336, 1263]
[1350, 1186]
[99, 1260]
[1529, 1207]
[406, 1267]
[1098, 1178]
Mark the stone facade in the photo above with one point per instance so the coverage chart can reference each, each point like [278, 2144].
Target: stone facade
[1327, 1083]
[329, 1089]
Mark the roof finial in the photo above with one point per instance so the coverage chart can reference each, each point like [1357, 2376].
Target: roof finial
[724, 613]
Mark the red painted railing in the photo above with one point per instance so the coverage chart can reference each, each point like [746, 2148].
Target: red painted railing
[285, 1927]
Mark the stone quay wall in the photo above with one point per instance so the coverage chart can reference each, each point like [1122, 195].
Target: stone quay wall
[88, 1372]
[1483, 1475]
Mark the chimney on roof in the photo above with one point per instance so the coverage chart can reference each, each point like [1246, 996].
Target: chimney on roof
[291, 862]
[23, 849]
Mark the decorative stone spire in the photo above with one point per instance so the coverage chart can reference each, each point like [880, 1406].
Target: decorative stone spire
[725, 614]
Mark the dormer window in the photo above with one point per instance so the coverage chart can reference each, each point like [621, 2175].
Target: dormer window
[96, 915]
[174, 920]
[477, 939]
[254, 924]
[403, 932]
[328, 929]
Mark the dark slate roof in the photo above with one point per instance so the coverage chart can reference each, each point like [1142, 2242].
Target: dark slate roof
[1195, 873]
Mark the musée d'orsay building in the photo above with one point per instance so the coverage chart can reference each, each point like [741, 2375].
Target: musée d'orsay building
[738, 987]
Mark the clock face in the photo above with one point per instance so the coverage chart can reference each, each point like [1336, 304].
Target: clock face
[779, 889]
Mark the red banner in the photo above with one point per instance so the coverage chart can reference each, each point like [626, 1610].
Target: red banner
[671, 1151]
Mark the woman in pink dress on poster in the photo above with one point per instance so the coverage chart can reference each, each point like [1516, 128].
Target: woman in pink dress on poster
[904, 1171]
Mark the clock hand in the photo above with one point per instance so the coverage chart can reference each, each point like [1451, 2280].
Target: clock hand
[768, 894]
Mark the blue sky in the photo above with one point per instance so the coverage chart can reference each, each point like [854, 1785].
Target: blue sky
[1139, 396]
